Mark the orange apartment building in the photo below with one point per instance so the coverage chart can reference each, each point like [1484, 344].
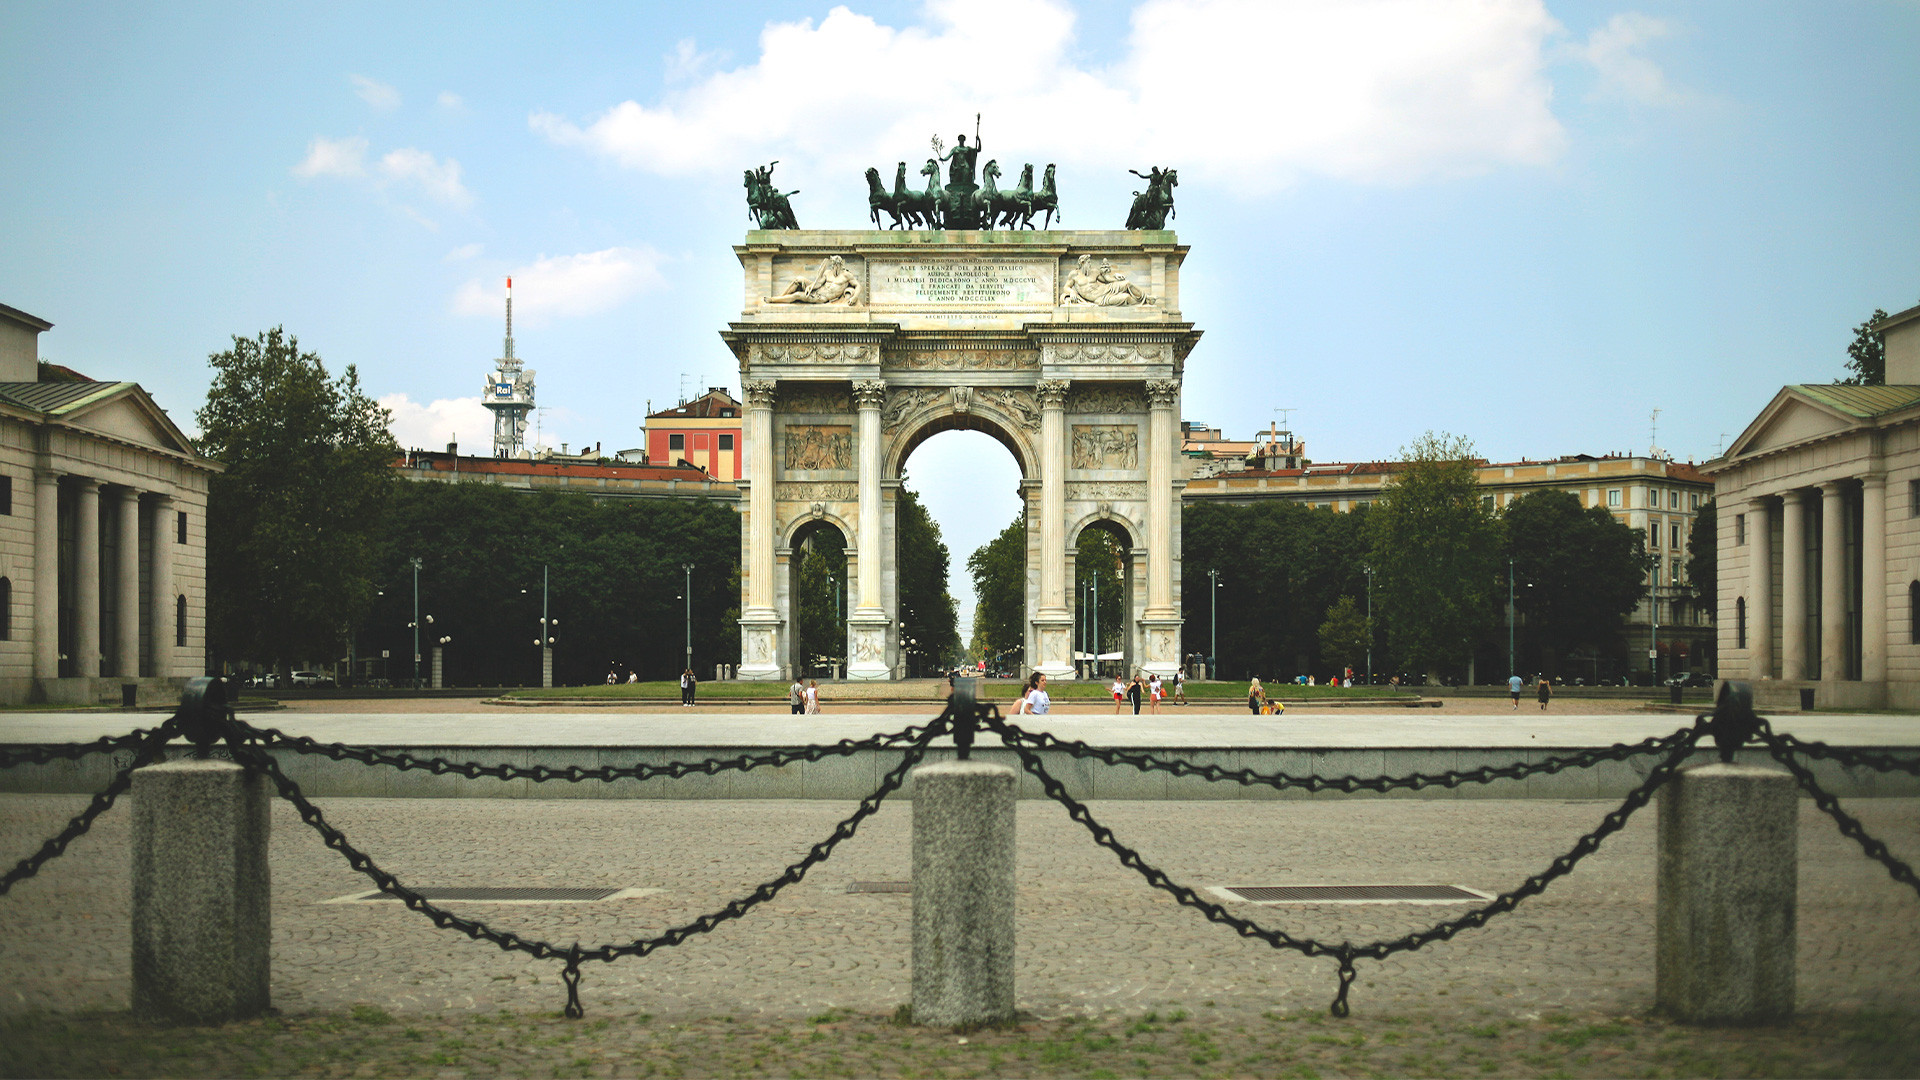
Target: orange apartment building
[705, 433]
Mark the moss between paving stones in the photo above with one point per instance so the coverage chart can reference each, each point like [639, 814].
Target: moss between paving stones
[368, 1041]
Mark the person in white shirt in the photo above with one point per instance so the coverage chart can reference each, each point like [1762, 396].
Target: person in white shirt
[1035, 701]
[1119, 693]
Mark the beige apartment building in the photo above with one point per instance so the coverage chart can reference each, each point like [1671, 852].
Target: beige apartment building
[1819, 540]
[1654, 495]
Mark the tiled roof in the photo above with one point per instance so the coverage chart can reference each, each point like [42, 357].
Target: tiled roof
[1864, 402]
[708, 404]
[56, 397]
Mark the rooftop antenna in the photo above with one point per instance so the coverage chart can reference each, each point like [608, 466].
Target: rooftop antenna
[1653, 434]
[509, 394]
[683, 388]
[1720, 450]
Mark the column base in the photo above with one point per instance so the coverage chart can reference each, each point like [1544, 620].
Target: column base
[867, 647]
[1160, 638]
[760, 648]
[1053, 641]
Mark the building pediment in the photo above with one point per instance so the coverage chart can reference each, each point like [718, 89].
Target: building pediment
[1792, 419]
[130, 416]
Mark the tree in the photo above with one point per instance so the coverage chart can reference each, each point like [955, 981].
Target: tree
[1703, 559]
[1867, 354]
[1580, 572]
[999, 571]
[818, 616]
[1344, 635]
[1097, 559]
[307, 475]
[1434, 547]
[927, 615]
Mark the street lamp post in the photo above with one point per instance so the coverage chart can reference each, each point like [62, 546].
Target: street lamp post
[546, 639]
[1213, 624]
[1096, 625]
[1513, 666]
[1369, 571]
[415, 624]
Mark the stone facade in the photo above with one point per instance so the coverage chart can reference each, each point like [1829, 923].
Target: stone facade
[103, 536]
[1819, 540]
[855, 347]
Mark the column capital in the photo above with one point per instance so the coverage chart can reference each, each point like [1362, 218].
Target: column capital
[1161, 393]
[1874, 479]
[1832, 487]
[1759, 503]
[1052, 392]
[869, 393]
[46, 476]
[760, 393]
[86, 484]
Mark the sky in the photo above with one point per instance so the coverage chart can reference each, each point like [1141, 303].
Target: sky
[1529, 223]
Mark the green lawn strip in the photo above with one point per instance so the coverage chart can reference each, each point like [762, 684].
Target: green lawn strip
[368, 1041]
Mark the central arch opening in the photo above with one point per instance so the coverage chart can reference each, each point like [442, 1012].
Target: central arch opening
[968, 484]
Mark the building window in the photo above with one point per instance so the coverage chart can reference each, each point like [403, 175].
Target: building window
[676, 442]
[1913, 498]
[1693, 501]
[1613, 497]
[726, 442]
[1673, 500]
[1486, 501]
[1740, 621]
[1653, 536]
[6, 609]
[1913, 613]
[180, 621]
[1675, 530]
[1739, 530]
[6, 494]
[726, 412]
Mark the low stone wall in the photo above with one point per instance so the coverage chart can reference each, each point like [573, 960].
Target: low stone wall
[854, 777]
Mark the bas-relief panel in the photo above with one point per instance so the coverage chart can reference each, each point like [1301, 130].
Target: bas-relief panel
[806, 398]
[1106, 446]
[1014, 403]
[1106, 398]
[819, 446]
[961, 359]
[1106, 490]
[815, 491]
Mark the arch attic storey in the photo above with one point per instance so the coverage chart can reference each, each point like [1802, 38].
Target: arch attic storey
[1067, 347]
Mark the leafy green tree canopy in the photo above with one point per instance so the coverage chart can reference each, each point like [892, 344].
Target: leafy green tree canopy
[1867, 354]
[1579, 572]
[293, 516]
[927, 615]
[819, 598]
[1703, 559]
[1434, 548]
[999, 572]
[1345, 635]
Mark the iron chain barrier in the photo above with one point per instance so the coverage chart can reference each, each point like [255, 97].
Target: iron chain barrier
[205, 718]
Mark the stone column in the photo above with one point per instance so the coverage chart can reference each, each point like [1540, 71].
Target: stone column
[1833, 582]
[1724, 905]
[867, 624]
[202, 903]
[963, 899]
[1052, 622]
[1873, 584]
[1162, 449]
[1793, 586]
[1759, 591]
[86, 569]
[127, 632]
[160, 629]
[46, 575]
[759, 621]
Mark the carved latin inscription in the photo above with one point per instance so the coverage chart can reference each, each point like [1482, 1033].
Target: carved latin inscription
[967, 280]
[819, 447]
[816, 492]
[1100, 446]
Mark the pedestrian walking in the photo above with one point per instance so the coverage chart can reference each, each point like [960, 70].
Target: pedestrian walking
[813, 696]
[1514, 683]
[687, 683]
[1038, 702]
[1119, 693]
[797, 696]
[1256, 696]
[1154, 691]
[1135, 691]
[1179, 687]
[1545, 690]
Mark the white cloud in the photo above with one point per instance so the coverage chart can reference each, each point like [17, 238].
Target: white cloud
[439, 179]
[686, 61]
[432, 427]
[564, 286]
[1616, 53]
[450, 100]
[334, 157]
[375, 93]
[1250, 93]
[462, 253]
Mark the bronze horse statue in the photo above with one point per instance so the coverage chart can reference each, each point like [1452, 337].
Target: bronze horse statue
[1046, 201]
[1152, 207]
[766, 205]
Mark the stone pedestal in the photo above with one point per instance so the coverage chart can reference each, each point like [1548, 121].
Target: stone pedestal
[439, 668]
[963, 905]
[201, 898]
[1724, 941]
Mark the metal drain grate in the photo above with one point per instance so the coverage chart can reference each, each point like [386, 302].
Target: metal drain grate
[880, 886]
[499, 895]
[1351, 894]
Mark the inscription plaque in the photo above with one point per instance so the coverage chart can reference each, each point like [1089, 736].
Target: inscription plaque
[966, 281]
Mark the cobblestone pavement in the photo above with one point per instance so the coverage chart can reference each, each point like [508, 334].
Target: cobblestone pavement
[1092, 936]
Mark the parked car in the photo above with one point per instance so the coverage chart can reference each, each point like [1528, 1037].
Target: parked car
[1694, 678]
[309, 678]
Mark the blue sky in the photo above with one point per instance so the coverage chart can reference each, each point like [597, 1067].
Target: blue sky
[1527, 223]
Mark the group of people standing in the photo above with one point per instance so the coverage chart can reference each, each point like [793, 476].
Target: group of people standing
[687, 683]
[1141, 689]
[803, 697]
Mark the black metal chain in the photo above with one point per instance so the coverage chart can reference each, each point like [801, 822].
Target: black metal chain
[1678, 748]
[1782, 748]
[1018, 738]
[149, 744]
[253, 756]
[51, 752]
[1852, 759]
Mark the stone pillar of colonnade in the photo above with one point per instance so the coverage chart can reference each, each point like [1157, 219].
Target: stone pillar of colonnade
[160, 628]
[86, 579]
[1052, 622]
[868, 622]
[1759, 591]
[1873, 590]
[1160, 622]
[126, 637]
[46, 575]
[1793, 586]
[1833, 583]
[760, 623]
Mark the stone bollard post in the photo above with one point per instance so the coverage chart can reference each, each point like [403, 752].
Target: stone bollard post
[1724, 938]
[201, 900]
[962, 893]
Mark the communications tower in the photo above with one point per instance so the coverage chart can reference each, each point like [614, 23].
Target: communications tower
[509, 394]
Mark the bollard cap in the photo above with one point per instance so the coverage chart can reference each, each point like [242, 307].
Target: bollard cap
[203, 712]
[1734, 722]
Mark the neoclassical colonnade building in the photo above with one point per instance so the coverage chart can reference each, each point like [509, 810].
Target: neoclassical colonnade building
[1818, 515]
[102, 535]
[856, 346]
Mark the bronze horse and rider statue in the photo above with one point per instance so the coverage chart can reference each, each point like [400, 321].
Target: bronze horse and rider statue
[1152, 207]
[767, 206]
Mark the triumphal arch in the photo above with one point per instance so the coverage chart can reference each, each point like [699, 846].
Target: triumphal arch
[856, 346]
